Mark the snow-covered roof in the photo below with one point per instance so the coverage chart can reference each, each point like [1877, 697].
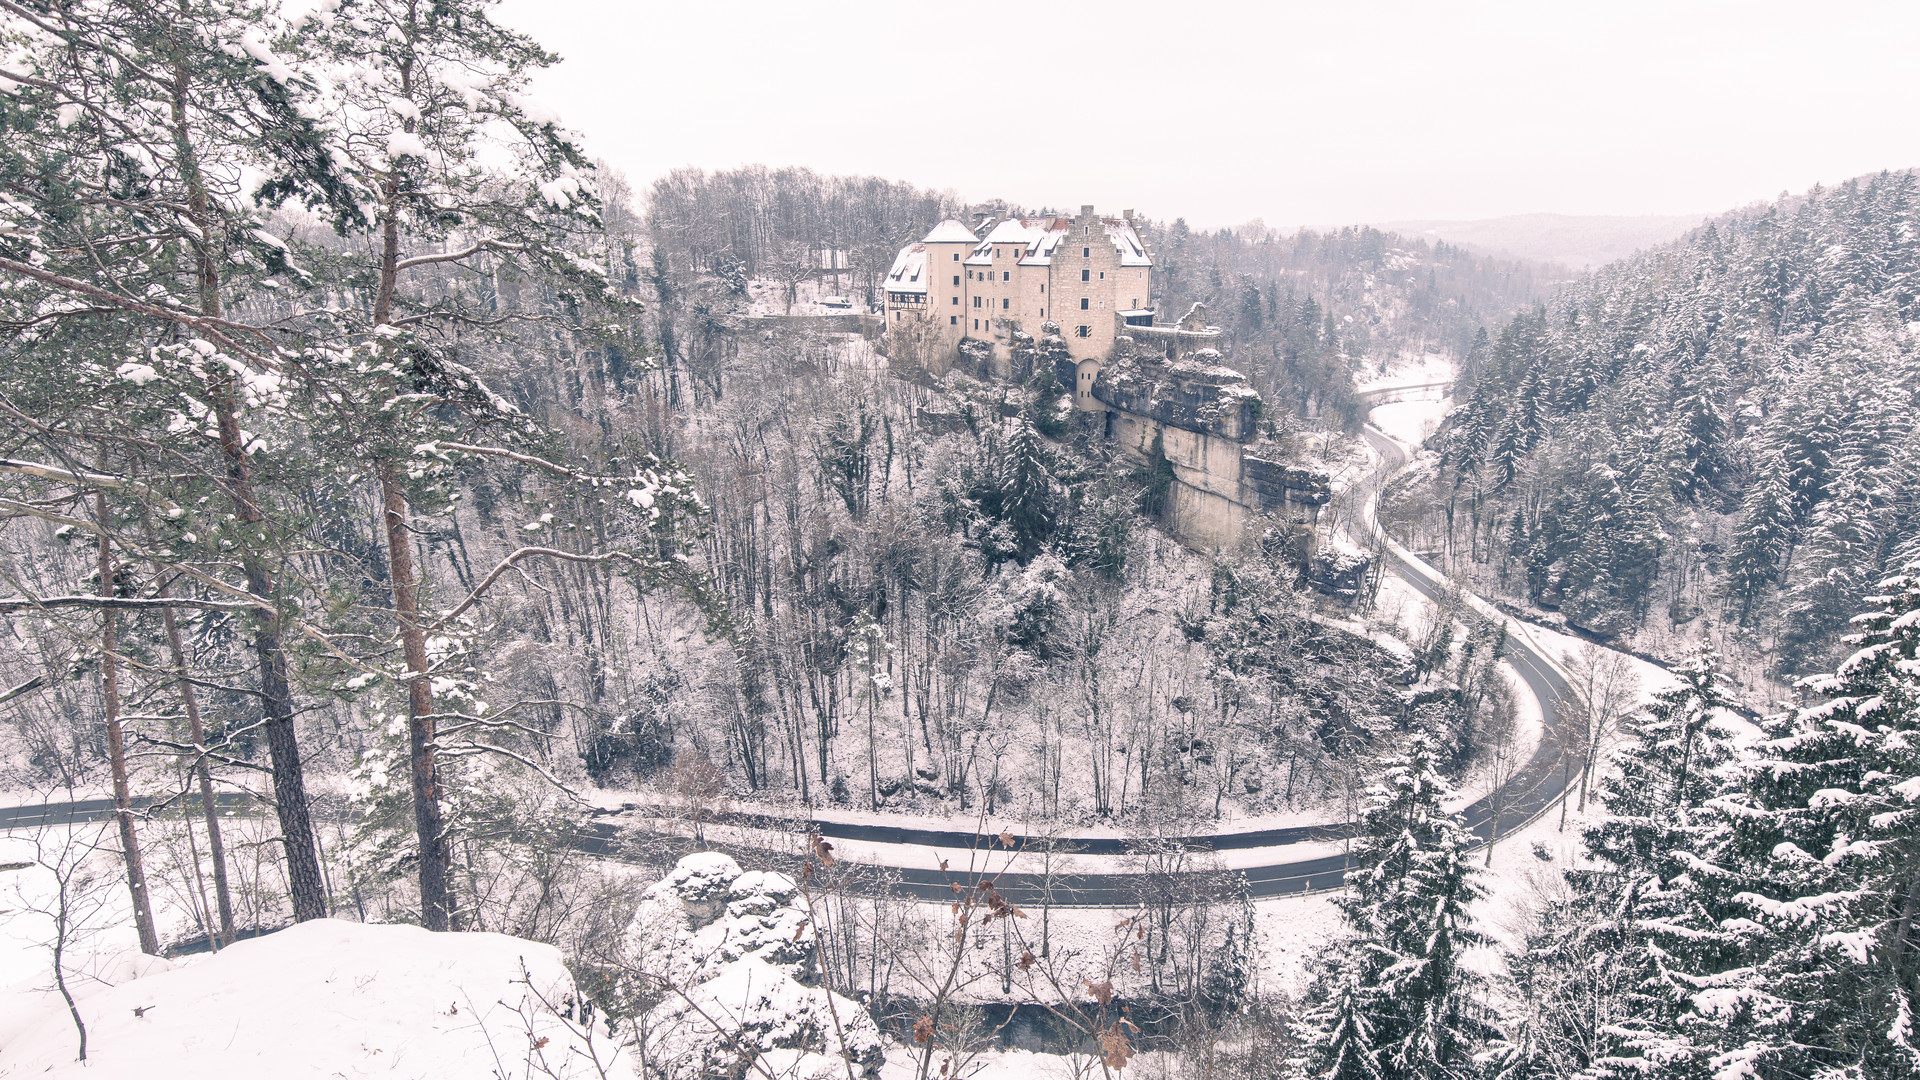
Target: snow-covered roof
[950, 232]
[1018, 231]
[1042, 234]
[909, 273]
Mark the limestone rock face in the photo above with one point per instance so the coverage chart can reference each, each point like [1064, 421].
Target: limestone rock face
[1199, 393]
[1277, 482]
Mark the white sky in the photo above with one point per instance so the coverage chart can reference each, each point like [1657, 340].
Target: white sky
[1296, 113]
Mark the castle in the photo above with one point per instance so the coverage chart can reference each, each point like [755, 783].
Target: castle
[1086, 274]
[1074, 295]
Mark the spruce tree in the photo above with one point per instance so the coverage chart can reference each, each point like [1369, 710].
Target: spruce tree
[1395, 1000]
[1600, 973]
[1821, 864]
[1028, 503]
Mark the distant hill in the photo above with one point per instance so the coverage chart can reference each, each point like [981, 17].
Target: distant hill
[1572, 240]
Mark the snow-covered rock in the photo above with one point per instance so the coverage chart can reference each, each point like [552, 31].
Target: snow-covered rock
[732, 950]
[707, 913]
[328, 998]
[751, 1008]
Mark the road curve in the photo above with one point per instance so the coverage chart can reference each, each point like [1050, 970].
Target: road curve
[1531, 791]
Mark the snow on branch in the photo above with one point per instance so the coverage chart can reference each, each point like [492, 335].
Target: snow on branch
[10, 604]
[454, 256]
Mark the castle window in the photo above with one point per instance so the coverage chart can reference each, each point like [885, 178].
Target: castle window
[1005, 303]
[976, 301]
[1103, 275]
[953, 320]
[1086, 253]
[976, 324]
[1043, 288]
[956, 301]
[996, 253]
[1135, 304]
[1083, 303]
[1083, 331]
[956, 277]
[956, 256]
[1006, 275]
[1086, 275]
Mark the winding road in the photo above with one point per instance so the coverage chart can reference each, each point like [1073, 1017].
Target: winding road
[1531, 790]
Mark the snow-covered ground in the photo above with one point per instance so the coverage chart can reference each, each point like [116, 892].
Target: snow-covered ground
[767, 297]
[1411, 422]
[322, 999]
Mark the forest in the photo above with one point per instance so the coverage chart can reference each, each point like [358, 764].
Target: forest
[1703, 442]
[410, 523]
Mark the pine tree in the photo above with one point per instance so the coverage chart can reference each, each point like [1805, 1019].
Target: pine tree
[1822, 859]
[1764, 537]
[1395, 1000]
[1028, 504]
[1602, 968]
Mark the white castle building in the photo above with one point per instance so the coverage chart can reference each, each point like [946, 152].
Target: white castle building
[1086, 274]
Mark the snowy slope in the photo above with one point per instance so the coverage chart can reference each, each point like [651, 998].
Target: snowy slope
[326, 999]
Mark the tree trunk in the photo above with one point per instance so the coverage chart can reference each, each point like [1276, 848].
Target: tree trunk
[216, 847]
[117, 750]
[436, 861]
[304, 880]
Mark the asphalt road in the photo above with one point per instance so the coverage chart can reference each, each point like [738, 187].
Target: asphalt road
[1534, 787]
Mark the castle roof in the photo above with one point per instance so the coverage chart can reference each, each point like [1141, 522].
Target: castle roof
[1037, 235]
[1040, 235]
[909, 273]
[950, 232]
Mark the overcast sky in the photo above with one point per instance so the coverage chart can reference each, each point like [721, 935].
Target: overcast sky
[1295, 113]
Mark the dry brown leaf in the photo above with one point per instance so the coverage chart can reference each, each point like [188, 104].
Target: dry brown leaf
[923, 1029]
[1114, 1047]
[541, 1042]
[1102, 992]
[1006, 838]
[1026, 961]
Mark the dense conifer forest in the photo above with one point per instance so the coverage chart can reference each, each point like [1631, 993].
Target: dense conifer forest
[1709, 440]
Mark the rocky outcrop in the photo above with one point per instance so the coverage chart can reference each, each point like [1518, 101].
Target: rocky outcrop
[734, 951]
[1276, 482]
[1199, 394]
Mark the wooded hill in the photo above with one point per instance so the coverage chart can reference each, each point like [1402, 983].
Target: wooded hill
[1713, 437]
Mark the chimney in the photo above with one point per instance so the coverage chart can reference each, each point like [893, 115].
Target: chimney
[1086, 209]
[1128, 214]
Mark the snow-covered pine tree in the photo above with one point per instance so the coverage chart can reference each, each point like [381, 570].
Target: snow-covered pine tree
[1820, 870]
[417, 99]
[1764, 537]
[1028, 502]
[145, 146]
[1599, 973]
[1394, 999]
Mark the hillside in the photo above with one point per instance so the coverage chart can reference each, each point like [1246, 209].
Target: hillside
[1712, 439]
